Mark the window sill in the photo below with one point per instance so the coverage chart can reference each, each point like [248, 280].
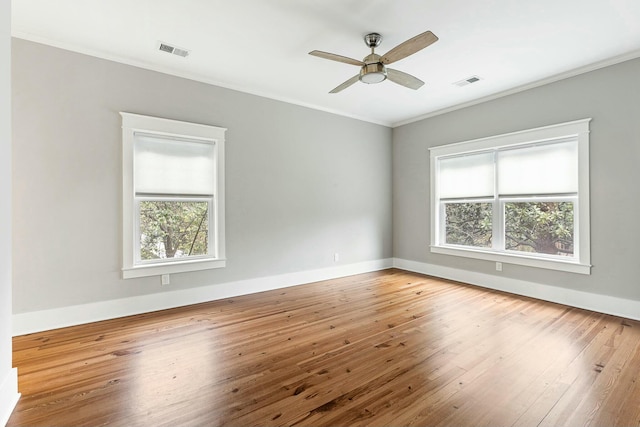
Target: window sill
[173, 267]
[549, 264]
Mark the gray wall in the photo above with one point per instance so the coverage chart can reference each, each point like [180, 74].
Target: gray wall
[611, 96]
[300, 184]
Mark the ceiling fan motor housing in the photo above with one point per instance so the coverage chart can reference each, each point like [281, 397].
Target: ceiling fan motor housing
[373, 73]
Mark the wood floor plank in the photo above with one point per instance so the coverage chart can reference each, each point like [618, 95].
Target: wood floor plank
[378, 349]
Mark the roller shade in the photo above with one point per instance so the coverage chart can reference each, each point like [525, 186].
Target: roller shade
[173, 166]
[543, 169]
[471, 175]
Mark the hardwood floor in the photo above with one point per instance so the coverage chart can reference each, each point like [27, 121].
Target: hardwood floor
[382, 349]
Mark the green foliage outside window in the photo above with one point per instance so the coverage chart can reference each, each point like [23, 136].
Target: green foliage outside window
[536, 227]
[173, 229]
[540, 227]
[469, 224]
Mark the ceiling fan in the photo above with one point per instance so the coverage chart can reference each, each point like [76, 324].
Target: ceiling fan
[373, 67]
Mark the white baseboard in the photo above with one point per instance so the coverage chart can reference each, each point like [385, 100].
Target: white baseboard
[8, 395]
[37, 321]
[571, 297]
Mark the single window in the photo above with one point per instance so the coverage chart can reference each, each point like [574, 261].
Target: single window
[173, 200]
[520, 198]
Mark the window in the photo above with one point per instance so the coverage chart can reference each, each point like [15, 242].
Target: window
[173, 196]
[520, 198]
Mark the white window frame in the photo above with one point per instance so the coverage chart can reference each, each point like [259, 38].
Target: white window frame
[581, 261]
[132, 266]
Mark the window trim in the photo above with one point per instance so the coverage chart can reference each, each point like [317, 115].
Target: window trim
[173, 129]
[578, 129]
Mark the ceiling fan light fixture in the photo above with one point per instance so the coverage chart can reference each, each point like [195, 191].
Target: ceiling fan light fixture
[373, 73]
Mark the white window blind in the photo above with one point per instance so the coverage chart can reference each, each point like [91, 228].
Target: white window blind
[471, 175]
[542, 169]
[176, 167]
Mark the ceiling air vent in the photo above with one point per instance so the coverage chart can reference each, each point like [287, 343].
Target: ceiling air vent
[467, 81]
[165, 47]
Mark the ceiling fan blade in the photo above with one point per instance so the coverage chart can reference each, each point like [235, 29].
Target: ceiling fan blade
[334, 57]
[404, 79]
[409, 47]
[346, 84]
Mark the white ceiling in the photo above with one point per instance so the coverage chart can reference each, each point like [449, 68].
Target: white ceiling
[261, 46]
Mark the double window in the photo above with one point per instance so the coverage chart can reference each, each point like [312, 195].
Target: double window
[173, 196]
[519, 198]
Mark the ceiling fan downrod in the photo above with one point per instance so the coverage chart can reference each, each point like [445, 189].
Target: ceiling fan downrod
[373, 71]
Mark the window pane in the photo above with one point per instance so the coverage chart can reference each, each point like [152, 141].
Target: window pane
[544, 169]
[470, 175]
[468, 224]
[540, 227]
[173, 229]
[166, 166]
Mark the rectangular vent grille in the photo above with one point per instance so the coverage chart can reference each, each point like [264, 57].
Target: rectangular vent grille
[164, 47]
[467, 81]
[180, 52]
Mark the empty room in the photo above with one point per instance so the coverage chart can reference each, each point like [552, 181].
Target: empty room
[338, 213]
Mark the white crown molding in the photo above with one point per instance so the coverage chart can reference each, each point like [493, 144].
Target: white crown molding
[37, 321]
[195, 77]
[571, 297]
[555, 78]
[190, 76]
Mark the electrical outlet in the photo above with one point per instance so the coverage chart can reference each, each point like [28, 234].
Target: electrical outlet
[165, 279]
[498, 266]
